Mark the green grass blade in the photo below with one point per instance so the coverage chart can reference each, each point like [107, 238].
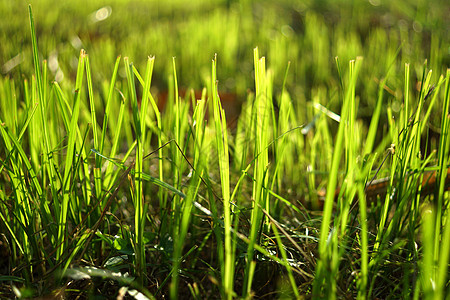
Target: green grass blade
[108, 103]
[71, 145]
[138, 197]
[224, 170]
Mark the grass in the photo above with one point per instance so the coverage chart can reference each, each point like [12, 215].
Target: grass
[106, 191]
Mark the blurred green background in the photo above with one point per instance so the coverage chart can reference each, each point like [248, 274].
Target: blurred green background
[309, 34]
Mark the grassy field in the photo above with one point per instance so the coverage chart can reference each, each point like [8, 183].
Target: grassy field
[224, 149]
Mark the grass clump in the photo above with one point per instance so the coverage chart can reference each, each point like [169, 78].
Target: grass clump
[329, 183]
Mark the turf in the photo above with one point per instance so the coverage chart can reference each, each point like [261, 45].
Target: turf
[228, 149]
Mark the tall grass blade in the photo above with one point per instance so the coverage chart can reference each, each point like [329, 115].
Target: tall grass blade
[224, 169]
[138, 197]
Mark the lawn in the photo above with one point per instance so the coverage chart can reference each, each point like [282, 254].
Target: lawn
[224, 149]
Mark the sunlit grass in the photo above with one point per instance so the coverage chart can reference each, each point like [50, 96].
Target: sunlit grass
[99, 181]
